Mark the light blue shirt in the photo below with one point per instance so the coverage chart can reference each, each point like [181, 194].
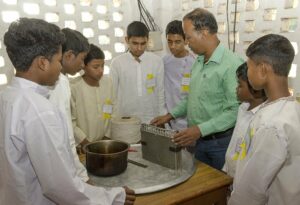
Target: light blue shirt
[175, 69]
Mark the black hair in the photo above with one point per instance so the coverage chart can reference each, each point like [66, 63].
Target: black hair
[94, 53]
[175, 27]
[275, 50]
[75, 41]
[202, 19]
[137, 29]
[241, 73]
[28, 38]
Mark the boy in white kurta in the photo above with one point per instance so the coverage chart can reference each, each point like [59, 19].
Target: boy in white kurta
[92, 100]
[37, 166]
[177, 67]
[138, 78]
[269, 172]
[74, 50]
[251, 101]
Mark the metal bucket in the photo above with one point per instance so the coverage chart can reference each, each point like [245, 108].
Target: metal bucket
[106, 157]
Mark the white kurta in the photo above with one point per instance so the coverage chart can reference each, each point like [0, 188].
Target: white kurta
[139, 86]
[37, 166]
[240, 130]
[269, 174]
[87, 105]
[177, 78]
[60, 96]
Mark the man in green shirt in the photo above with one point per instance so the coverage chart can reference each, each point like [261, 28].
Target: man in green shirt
[211, 106]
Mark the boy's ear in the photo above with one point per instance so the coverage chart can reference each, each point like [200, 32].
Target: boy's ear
[68, 54]
[263, 70]
[42, 62]
[126, 39]
[185, 42]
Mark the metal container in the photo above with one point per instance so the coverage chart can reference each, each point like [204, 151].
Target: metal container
[106, 157]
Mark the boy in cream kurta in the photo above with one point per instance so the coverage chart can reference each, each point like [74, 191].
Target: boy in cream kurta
[91, 101]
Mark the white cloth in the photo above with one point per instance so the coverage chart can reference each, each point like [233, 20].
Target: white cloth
[37, 166]
[240, 130]
[60, 97]
[269, 174]
[139, 86]
[126, 130]
[175, 71]
[87, 104]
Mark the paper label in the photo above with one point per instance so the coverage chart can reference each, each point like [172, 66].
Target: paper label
[185, 82]
[107, 109]
[150, 83]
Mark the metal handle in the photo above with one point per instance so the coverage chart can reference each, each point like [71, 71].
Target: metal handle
[137, 163]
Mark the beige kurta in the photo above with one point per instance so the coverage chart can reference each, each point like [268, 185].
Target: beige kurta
[269, 173]
[88, 106]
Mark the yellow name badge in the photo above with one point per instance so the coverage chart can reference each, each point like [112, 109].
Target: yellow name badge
[107, 109]
[150, 83]
[185, 82]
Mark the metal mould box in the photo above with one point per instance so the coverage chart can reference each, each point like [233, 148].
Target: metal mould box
[157, 147]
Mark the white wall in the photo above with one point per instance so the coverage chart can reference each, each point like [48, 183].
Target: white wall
[163, 12]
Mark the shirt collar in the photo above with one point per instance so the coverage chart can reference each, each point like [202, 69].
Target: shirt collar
[133, 58]
[254, 110]
[27, 84]
[216, 56]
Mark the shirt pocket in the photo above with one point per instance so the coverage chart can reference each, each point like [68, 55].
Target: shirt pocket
[211, 88]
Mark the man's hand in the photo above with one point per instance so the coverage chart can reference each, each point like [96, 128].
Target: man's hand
[187, 136]
[161, 120]
[130, 196]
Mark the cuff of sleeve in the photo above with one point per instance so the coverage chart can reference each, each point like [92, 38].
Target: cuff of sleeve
[79, 137]
[120, 196]
[84, 177]
[206, 128]
[175, 113]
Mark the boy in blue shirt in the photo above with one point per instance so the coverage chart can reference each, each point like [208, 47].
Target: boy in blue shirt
[178, 66]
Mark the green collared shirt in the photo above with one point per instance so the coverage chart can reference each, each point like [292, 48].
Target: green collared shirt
[212, 103]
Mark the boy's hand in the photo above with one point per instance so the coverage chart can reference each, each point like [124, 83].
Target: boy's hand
[106, 138]
[130, 196]
[90, 182]
[84, 142]
[161, 120]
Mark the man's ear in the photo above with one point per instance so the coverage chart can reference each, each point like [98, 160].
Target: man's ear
[204, 33]
[127, 39]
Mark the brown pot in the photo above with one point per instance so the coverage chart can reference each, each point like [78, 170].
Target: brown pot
[106, 157]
